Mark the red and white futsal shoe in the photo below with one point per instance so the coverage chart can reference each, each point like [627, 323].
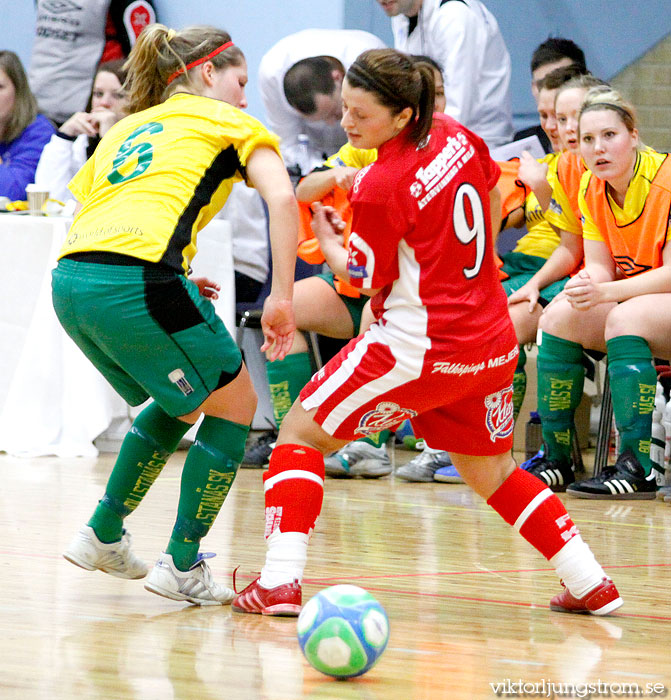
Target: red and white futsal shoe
[284, 600]
[601, 600]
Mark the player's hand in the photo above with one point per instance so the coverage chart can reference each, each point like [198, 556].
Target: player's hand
[278, 326]
[208, 288]
[531, 172]
[582, 292]
[327, 226]
[527, 292]
[344, 176]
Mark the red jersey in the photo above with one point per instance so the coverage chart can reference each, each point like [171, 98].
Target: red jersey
[421, 231]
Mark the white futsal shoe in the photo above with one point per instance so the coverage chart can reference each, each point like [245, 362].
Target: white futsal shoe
[359, 459]
[115, 558]
[194, 586]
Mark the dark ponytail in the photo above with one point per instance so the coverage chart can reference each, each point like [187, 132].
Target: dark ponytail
[397, 82]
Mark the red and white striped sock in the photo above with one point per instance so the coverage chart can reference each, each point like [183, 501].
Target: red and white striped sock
[294, 490]
[527, 504]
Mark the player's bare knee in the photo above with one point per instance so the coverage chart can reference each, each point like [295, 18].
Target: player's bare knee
[620, 322]
[299, 428]
[555, 317]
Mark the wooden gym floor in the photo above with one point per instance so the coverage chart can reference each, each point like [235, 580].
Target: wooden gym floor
[467, 598]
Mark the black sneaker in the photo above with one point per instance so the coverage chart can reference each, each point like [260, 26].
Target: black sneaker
[557, 475]
[257, 456]
[624, 481]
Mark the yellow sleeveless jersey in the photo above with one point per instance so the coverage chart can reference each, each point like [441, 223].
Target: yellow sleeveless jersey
[159, 176]
[541, 239]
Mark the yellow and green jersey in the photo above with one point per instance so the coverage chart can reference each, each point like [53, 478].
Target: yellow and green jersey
[159, 176]
[541, 238]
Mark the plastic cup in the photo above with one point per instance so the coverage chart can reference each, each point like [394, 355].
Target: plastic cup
[37, 198]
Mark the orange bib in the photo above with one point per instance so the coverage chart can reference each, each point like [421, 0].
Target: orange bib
[638, 246]
[570, 169]
[308, 245]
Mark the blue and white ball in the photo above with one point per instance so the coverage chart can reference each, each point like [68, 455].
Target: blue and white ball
[343, 631]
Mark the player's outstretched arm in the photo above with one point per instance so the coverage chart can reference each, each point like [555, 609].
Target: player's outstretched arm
[268, 175]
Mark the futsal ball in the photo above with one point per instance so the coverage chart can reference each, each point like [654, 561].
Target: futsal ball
[343, 631]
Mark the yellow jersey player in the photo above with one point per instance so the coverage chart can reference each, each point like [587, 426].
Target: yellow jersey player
[121, 290]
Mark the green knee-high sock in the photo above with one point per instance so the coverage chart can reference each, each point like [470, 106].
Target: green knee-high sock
[633, 380]
[153, 437]
[286, 378]
[209, 472]
[519, 383]
[560, 383]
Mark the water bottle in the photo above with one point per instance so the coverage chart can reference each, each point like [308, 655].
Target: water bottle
[304, 157]
[533, 437]
[303, 160]
[666, 424]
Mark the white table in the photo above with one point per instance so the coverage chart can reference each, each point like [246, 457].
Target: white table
[52, 400]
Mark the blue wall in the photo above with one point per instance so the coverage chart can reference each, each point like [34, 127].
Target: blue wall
[611, 42]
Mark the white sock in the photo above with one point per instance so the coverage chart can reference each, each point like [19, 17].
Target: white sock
[431, 450]
[577, 567]
[285, 558]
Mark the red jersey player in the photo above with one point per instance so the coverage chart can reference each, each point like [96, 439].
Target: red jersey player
[442, 351]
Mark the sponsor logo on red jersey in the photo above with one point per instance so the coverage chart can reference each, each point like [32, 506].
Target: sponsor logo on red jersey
[356, 264]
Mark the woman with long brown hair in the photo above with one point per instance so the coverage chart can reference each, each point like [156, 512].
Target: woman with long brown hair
[442, 351]
[23, 132]
[122, 292]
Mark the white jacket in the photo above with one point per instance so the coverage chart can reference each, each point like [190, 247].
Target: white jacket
[464, 38]
[59, 162]
[282, 118]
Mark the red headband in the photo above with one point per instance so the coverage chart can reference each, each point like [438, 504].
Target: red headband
[223, 47]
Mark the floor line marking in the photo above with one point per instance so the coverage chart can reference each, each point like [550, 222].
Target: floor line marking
[511, 603]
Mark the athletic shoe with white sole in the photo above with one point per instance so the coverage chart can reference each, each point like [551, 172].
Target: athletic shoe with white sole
[423, 467]
[194, 586]
[115, 558]
[601, 600]
[358, 459]
[624, 481]
[283, 600]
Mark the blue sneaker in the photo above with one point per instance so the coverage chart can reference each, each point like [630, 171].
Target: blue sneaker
[448, 475]
[534, 461]
[402, 432]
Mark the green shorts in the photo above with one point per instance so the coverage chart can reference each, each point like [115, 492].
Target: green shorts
[148, 330]
[520, 268]
[354, 305]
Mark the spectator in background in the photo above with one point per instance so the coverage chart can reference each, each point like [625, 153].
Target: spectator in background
[553, 53]
[464, 38]
[71, 146]
[71, 39]
[23, 132]
[299, 81]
